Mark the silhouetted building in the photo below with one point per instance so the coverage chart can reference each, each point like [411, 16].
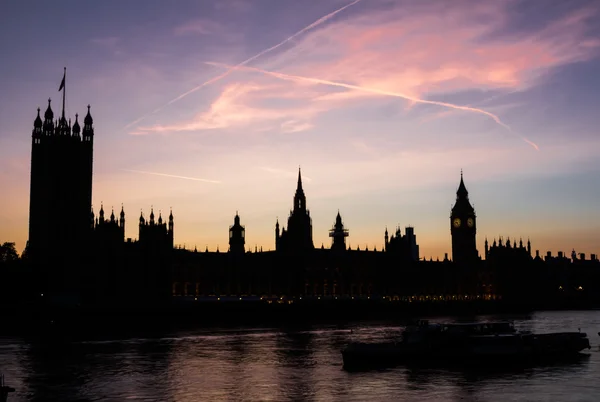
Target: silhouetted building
[338, 234]
[297, 238]
[108, 231]
[237, 236]
[405, 246]
[60, 195]
[463, 228]
[90, 255]
[507, 250]
[156, 234]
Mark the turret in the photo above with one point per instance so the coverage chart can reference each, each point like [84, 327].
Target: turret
[338, 234]
[386, 239]
[88, 129]
[76, 128]
[237, 236]
[48, 120]
[37, 125]
[487, 249]
[122, 217]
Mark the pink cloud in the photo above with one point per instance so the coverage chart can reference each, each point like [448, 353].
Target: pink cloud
[412, 51]
[422, 51]
[239, 106]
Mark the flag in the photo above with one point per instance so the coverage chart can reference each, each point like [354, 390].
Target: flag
[62, 83]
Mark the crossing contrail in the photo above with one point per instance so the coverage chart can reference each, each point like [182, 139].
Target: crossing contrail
[243, 63]
[297, 78]
[175, 176]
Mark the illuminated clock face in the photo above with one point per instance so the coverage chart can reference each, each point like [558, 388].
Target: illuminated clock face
[456, 222]
[470, 222]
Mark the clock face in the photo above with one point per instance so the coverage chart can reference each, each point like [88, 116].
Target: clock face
[456, 222]
[470, 222]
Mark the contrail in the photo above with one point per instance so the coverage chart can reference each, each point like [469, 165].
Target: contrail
[290, 77]
[171, 175]
[243, 63]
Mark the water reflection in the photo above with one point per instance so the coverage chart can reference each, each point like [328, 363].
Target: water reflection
[62, 369]
[295, 353]
[302, 363]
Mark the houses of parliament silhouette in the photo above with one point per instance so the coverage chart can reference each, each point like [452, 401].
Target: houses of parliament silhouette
[78, 255]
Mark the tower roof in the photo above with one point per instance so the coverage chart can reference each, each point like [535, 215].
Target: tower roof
[49, 114]
[462, 204]
[88, 121]
[38, 120]
[462, 189]
[76, 128]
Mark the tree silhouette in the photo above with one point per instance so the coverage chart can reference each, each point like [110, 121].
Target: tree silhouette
[8, 252]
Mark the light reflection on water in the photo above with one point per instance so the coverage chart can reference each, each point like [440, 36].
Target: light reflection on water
[274, 364]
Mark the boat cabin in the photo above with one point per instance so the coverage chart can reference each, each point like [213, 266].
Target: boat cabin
[480, 328]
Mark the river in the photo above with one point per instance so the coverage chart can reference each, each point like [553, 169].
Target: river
[280, 364]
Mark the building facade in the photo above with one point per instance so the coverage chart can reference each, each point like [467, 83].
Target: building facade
[89, 256]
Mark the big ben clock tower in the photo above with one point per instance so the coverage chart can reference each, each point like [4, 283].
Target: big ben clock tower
[463, 227]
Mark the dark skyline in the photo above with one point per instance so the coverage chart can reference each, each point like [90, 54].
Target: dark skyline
[341, 108]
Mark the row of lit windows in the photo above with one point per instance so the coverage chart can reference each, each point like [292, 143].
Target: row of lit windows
[408, 299]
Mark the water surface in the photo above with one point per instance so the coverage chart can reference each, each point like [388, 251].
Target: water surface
[280, 364]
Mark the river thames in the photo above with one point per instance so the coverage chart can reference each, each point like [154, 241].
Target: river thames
[280, 364]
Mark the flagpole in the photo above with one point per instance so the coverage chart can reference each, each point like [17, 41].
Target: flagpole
[64, 90]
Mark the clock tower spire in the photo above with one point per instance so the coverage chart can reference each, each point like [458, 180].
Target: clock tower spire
[463, 227]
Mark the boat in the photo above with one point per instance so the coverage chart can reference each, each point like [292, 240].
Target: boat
[4, 389]
[464, 342]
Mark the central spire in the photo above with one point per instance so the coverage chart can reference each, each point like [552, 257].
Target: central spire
[299, 188]
[299, 197]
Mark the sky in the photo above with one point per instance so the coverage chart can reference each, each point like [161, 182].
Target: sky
[209, 107]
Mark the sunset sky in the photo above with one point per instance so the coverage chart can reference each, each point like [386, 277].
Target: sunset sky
[381, 103]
